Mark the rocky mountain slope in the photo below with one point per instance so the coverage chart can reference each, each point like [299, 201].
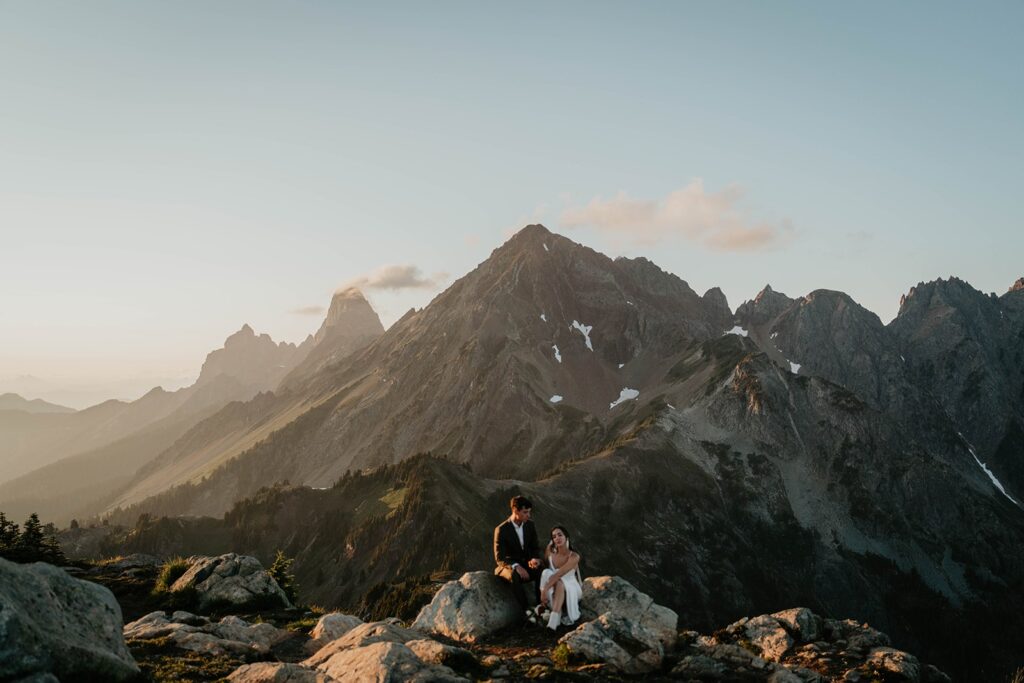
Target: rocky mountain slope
[535, 352]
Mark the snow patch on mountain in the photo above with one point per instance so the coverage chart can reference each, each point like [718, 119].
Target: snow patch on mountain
[737, 330]
[998, 484]
[555, 399]
[624, 395]
[558, 355]
[584, 330]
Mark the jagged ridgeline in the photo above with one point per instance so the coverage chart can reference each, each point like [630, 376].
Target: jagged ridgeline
[795, 452]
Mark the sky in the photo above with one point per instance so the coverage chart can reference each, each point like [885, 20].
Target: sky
[171, 171]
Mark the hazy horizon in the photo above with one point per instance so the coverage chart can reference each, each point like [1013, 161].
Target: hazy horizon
[170, 173]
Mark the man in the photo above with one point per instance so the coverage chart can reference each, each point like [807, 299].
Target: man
[517, 552]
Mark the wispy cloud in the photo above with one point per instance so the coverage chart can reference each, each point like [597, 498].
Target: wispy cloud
[714, 219]
[308, 310]
[397, 277]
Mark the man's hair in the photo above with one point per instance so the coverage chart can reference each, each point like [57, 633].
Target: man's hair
[520, 502]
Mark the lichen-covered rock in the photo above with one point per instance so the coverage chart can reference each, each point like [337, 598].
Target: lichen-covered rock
[270, 672]
[199, 634]
[237, 580]
[475, 605]
[616, 596]
[54, 624]
[627, 645]
[384, 662]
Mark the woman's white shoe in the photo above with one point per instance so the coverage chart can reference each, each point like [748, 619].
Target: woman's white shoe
[554, 620]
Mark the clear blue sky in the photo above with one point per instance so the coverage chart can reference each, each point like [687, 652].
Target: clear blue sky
[169, 171]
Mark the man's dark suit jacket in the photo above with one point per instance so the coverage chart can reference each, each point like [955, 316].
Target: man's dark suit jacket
[507, 550]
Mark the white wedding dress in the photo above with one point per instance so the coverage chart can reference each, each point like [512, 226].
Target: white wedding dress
[573, 591]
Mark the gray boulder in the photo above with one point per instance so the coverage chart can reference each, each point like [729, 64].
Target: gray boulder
[54, 624]
[384, 662]
[804, 624]
[230, 635]
[237, 580]
[270, 672]
[331, 627]
[625, 644]
[361, 636]
[616, 596]
[475, 605]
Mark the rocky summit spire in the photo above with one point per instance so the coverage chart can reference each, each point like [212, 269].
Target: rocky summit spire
[350, 315]
[351, 324]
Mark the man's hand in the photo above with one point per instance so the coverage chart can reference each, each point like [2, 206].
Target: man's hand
[534, 563]
[523, 574]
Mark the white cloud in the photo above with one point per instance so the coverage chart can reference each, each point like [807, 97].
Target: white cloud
[397, 277]
[309, 310]
[716, 219]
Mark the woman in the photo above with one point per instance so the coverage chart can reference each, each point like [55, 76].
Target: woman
[560, 584]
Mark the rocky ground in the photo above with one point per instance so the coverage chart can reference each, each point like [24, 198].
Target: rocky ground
[465, 635]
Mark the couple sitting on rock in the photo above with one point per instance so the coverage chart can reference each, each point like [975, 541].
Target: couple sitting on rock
[554, 572]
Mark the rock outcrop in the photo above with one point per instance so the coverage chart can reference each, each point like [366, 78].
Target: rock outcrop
[377, 651]
[798, 646]
[231, 579]
[231, 635]
[53, 625]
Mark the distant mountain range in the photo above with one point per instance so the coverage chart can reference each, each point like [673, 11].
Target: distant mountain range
[11, 401]
[65, 464]
[795, 451]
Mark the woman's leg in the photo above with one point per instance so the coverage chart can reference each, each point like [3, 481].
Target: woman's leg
[556, 606]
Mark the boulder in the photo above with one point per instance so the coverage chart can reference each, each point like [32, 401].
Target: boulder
[475, 605]
[332, 626]
[895, 664]
[199, 634]
[361, 636]
[268, 672]
[699, 667]
[433, 652]
[384, 662]
[627, 645]
[235, 580]
[805, 625]
[768, 635]
[616, 596]
[52, 624]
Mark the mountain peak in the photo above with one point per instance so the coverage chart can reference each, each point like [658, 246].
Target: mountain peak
[766, 305]
[348, 303]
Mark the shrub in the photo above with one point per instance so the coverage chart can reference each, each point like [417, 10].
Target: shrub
[172, 570]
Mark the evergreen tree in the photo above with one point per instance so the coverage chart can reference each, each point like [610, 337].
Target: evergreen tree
[8, 536]
[31, 540]
[281, 570]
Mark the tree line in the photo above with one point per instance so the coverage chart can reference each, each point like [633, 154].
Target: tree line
[33, 541]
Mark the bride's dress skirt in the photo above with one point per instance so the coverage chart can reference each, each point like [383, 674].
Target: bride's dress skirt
[573, 592]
